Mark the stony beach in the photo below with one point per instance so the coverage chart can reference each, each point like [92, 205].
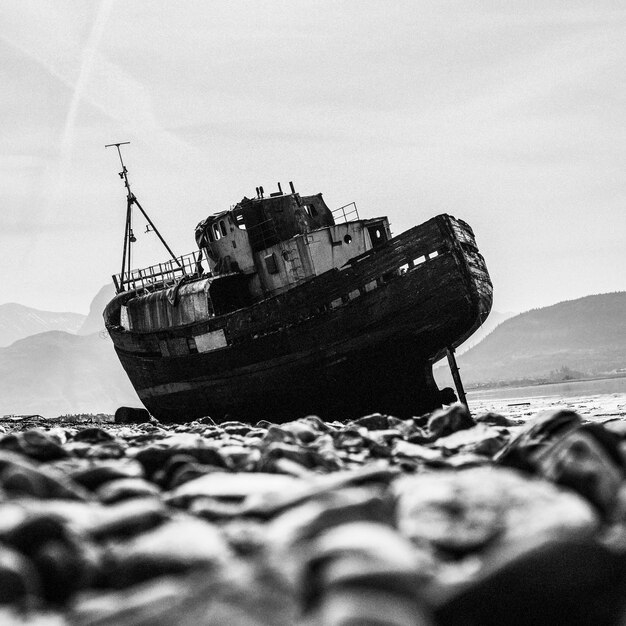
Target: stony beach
[514, 515]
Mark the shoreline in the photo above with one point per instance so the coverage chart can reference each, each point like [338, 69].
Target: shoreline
[520, 385]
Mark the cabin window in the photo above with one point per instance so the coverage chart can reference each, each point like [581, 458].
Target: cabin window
[223, 228]
[310, 210]
[216, 232]
[270, 264]
[239, 221]
[209, 234]
[348, 239]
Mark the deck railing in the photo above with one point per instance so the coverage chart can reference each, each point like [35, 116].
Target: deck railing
[346, 213]
[158, 275]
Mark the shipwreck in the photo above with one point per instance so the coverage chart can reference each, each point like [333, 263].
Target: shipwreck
[287, 308]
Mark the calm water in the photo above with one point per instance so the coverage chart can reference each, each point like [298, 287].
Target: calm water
[556, 390]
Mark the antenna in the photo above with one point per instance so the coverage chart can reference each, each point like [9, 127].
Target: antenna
[129, 237]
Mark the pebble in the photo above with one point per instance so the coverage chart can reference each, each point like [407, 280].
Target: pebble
[19, 580]
[440, 519]
[479, 439]
[36, 444]
[467, 510]
[175, 547]
[125, 489]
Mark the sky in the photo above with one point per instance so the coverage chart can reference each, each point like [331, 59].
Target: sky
[509, 115]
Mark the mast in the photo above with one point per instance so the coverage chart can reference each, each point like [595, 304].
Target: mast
[129, 237]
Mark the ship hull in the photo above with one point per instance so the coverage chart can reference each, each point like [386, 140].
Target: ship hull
[345, 344]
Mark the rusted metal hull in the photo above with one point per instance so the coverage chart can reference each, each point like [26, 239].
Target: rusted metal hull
[344, 344]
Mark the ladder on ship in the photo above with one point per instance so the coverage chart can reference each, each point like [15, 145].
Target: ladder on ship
[297, 271]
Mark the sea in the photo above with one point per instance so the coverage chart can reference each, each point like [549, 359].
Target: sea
[598, 399]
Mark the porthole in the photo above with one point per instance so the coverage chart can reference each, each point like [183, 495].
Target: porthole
[347, 239]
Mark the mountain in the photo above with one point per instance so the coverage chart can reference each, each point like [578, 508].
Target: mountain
[18, 321]
[55, 373]
[584, 336]
[94, 322]
[493, 321]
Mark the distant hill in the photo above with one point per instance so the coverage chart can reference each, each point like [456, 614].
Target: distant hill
[94, 322]
[583, 336]
[493, 321]
[18, 321]
[55, 373]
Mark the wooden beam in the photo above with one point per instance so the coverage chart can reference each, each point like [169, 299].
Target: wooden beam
[454, 370]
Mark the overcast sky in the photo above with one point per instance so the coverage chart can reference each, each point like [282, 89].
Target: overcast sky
[509, 115]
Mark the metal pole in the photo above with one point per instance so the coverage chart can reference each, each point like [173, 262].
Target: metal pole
[156, 231]
[131, 199]
[125, 247]
[454, 370]
[129, 202]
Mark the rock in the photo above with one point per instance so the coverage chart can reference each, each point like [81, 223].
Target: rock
[537, 434]
[35, 444]
[404, 449]
[566, 581]
[269, 504]
[466, 511]
[18, 478]
[236, 428]
[447, 421]
[92, 474]
[93, 435]
[278, 434]
[617, 427]
[246, 537]
[588, 460]
[493, 419]
[128, 518]
[405, 427]
[349, 438]
[19, 581]
[306, 457]
[357, 522]
[56, 553]
[190, 471]
[376, 421]
[316, 423]
[352, 605]
[305, 431]
[464, 460]
[236, 487]
[206, 420]
[214, 509]
[105, 450]
[175, 547]
[363, 556]
[239, 458]
[420, 436]
[450, 515]
[153, 457]
[306, 521]
[187, 600]
[125, 489]
[130, 415]
[480, 439]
